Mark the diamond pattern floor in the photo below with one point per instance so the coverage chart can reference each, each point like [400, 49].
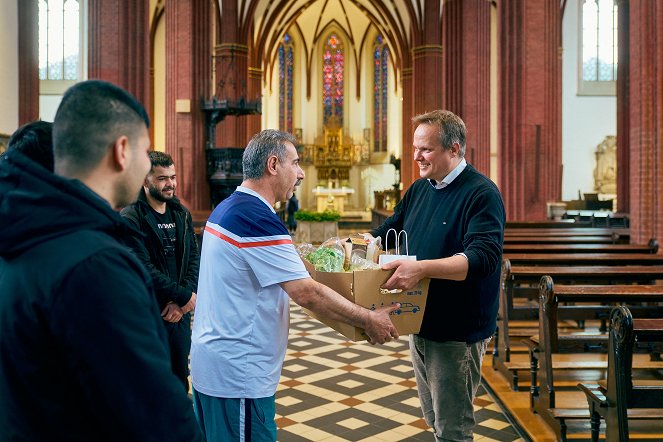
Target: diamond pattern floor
[332, 389]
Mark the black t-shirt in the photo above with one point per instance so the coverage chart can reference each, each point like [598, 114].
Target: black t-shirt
[166, 224]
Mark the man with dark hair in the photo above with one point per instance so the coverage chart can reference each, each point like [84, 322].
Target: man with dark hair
[454, 218]
[248, 269]
[169, 250]
[35, 141]
[83, 354]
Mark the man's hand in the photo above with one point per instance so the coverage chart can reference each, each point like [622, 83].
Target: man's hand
[408, 273]
[379, 327]
[172, 313]
[189, 306]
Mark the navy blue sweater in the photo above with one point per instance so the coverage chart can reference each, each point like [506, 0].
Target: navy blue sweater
[466, 216]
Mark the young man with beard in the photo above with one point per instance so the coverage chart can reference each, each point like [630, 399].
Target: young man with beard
[248, 269]
[169, 250]
[83, 355]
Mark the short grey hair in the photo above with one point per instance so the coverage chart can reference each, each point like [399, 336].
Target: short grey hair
[451, 126]
[263, 145]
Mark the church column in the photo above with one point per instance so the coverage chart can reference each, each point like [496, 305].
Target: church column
[466, 41]
[646, 120]
[427, 61]
[426, 78]
[407, 163]
[28, 62]
[253, 89]
[188, 72]
[231, 84]
[231, 57]
[529, 127]
[119, 44]
[623, 107]
[253, 122]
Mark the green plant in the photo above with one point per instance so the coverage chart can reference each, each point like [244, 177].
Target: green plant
[311, 215]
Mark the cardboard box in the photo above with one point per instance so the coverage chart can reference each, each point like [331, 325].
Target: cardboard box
[362, 287]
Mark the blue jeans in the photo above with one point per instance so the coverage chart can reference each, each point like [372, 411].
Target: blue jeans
[235, 420]
[448, 376]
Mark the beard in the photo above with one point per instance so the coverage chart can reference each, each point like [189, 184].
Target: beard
[158, 195]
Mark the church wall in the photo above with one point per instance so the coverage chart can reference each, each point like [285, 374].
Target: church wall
[48, 105]
[586, 120]
[9, 66]
[493, 96]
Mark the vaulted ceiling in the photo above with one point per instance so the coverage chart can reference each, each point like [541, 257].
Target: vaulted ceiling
[264, 22]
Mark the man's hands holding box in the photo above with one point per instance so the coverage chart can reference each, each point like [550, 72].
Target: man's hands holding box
[408, 273]
[379, 328]
[327, 303]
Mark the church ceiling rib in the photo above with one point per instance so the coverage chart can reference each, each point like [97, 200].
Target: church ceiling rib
[398, 21]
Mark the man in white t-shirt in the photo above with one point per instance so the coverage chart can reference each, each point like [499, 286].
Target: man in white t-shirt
[248, 268]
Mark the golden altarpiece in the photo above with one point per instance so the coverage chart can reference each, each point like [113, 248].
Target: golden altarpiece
[333, 155]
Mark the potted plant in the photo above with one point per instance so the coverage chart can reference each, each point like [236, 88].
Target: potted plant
[316, 227]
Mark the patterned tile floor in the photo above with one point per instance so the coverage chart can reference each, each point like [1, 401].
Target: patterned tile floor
[335, 390]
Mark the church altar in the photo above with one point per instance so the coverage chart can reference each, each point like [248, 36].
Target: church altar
[332, 198]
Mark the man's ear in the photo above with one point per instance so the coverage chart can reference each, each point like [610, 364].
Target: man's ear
[120, 153]
[271, 164]
[455, 149]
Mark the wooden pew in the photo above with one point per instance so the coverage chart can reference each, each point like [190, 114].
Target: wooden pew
[551, 351]
[584, 259]
[651, 247]
[571, 231]
[548, 224]
[199, 218]
[514, 281]
[620, 401]
[561, 239]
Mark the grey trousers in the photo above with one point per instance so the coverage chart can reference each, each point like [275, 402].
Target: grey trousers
[448, 376]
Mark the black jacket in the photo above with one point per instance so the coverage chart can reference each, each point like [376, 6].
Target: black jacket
[149, 250]
[83, 354]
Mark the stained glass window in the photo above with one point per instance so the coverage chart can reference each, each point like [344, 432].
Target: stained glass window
[59, 37]
[333, 60]
[599, 41]
[380, 72]
[286, 62]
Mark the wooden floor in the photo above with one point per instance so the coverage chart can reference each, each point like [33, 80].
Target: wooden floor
[516, 405]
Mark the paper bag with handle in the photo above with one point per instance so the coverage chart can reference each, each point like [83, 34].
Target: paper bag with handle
[385, 258]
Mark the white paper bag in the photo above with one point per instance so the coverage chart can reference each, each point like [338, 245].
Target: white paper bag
[383, 259]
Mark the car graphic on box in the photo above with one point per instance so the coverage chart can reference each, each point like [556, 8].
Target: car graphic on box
[407, 307]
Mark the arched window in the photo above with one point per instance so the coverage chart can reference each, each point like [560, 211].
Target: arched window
[333, 60]
[380, 84]
[286, 60]
[598, 47]
[59, 40]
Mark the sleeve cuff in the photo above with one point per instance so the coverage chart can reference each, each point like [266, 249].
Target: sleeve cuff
[462, 254]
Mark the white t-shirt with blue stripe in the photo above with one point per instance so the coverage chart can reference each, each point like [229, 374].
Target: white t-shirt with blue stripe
[240, 329]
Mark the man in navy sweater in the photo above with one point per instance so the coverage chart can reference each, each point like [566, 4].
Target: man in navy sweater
[454, 218]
